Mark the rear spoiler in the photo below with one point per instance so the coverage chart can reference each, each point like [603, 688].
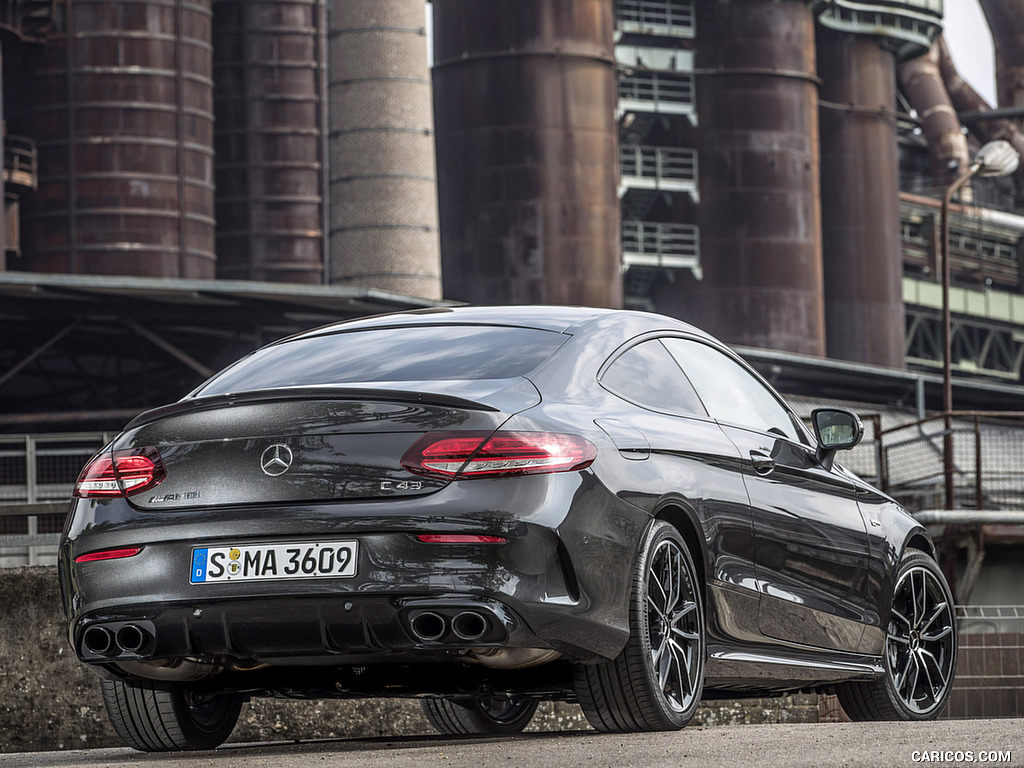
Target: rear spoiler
[336, 392]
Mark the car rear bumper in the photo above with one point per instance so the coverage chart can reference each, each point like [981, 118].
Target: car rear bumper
[553, 584]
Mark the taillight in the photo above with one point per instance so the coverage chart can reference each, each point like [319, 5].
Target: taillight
[460, 538]
[108, 554]
[463, 455]
[122, 473]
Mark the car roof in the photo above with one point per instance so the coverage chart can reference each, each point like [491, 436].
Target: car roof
[546, 318]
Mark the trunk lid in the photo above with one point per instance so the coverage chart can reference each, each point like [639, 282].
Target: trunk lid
[313, 445]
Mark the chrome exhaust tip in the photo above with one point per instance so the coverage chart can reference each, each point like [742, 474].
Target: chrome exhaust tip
[428, 626]
[98, 640]
[130, 638]
[469, 625]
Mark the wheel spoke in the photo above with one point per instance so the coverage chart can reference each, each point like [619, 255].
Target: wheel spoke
[661, 589]
[927, 656]
[681, 686]
[910, 683]
[897, 639]
[656, 608]
[923, 667]
[942, 633]
[937, 611]
[664, 665]
[902, 618]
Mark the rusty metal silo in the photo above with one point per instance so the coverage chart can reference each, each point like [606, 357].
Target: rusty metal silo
[120, 104]
[527, 151]
[759, 215]
[269, 63]
[1006, 20]
[383, 220]
[863, 268]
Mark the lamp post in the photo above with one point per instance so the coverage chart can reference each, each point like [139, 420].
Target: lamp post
[997, 158]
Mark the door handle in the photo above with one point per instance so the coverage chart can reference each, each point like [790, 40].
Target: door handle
[763, 463]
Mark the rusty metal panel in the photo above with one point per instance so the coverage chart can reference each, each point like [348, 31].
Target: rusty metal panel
[269, 63]
[863, 268]
[384, 230]
[759, 215]
[527, 151]
[1006, 20]
[120, 105]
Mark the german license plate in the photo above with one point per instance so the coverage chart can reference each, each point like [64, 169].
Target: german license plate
[261, 562]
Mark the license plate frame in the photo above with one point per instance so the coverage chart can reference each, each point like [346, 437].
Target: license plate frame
[274, 561]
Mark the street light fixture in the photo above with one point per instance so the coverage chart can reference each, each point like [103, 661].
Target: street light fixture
[997, 158]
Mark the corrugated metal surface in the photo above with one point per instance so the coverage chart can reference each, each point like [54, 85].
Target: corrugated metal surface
[860, 200]
[527, 151]
[383, 190]
[759, 188]
[269, 62]
[120, 105]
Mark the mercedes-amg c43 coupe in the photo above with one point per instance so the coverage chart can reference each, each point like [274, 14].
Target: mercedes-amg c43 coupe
[485, 508]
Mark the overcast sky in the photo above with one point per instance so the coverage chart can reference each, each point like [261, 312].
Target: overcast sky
[970, 44]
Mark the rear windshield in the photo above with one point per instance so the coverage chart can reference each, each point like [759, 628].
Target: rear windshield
[425, 353]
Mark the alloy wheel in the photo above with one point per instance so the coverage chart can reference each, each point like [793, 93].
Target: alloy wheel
[921, 641]
[673, 621]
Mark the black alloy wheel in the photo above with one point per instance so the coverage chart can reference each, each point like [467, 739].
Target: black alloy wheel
[479, 716]
[920, 650]
[655, 683]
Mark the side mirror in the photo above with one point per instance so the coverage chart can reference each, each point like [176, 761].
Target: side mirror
[837, 430]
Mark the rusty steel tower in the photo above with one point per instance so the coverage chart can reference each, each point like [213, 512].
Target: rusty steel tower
[524, 96]
[119, 102]
[269, 63]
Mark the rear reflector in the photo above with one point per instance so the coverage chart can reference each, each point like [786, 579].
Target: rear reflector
[108, 554]
[122, 473]
[463, 455]
[459, 538]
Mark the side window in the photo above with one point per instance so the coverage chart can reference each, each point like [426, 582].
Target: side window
[729, 391]
[648, 375]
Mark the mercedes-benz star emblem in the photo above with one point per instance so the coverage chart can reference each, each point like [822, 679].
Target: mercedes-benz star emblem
[276, 460]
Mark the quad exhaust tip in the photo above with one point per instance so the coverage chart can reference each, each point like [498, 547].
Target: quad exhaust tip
[102, 641]
[429, 626]
[99, 640]
[130, 638]
[469, 625]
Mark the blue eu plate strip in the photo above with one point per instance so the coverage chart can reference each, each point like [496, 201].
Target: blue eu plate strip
[199, 565]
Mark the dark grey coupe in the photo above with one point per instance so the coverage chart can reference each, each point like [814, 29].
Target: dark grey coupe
[487, 508]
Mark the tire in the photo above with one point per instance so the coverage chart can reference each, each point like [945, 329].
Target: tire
[154, 718]
[920, 650]
[655, 683]
[479, 716]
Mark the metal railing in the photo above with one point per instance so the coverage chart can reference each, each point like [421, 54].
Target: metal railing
[37, 476]
[660, 245]
[20, 162]
[664, 17]
[913, 22]
[657, 92]
[655, 165]
[988, 461]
